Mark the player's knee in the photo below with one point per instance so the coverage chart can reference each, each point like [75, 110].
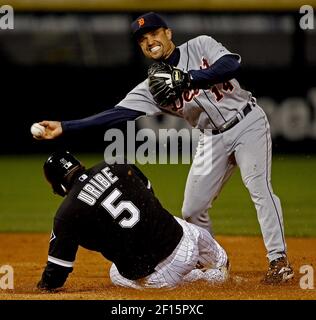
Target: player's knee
[261, 190]
[193, 210]
[202, 220]
[256, 185]
[187, 214]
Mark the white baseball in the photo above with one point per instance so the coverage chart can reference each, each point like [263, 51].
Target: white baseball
[37, 130]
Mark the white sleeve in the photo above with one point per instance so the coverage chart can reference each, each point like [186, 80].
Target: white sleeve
[140, 99]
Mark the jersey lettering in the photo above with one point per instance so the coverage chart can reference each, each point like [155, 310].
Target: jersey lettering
[102, 180]
[92, 190]
[189, 95]
[85, 197]
[109, 175]
[218, 95]
[96, 186]
[227, 87]
[116, 210]
[204, 64]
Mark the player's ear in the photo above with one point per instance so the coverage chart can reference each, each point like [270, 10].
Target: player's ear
[169, 34]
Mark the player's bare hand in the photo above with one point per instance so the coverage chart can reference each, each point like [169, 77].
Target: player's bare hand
[53, 129]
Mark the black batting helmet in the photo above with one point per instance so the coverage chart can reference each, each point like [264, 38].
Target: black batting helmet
[56, 169]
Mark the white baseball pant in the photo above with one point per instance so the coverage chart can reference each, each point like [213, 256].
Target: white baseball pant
[250, 143]
[196, 245]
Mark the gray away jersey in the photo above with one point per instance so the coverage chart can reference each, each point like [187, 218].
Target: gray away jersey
[203, 109]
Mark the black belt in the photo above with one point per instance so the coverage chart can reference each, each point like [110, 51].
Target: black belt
[231, 123]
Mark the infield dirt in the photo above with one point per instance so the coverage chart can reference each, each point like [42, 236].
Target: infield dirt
[27, 254]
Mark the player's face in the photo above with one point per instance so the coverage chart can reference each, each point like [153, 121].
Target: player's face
[157, 44]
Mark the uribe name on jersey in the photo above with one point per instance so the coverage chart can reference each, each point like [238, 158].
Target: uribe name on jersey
[96, 186]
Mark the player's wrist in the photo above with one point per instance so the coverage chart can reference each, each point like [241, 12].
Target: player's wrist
[188, 80]
[64, 127]
[193, 82]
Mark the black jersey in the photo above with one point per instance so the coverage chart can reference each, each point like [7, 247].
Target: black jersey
[112, 209]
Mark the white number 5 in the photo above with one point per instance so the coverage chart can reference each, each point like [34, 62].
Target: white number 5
[115, 211]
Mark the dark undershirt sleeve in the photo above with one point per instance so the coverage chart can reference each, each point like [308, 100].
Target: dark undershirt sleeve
[224, 69]
[107, 118]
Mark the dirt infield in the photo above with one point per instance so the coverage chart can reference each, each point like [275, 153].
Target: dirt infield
[27, 254]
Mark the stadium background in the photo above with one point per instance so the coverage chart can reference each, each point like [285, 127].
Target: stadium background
[71, 59]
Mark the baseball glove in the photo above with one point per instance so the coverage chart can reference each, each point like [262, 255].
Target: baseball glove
[167, 83]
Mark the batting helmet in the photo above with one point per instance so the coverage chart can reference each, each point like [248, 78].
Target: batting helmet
[57, 168]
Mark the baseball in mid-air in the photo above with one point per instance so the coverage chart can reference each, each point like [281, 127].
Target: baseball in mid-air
[37, 130]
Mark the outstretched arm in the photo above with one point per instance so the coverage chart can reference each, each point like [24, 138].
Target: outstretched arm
[108, 118]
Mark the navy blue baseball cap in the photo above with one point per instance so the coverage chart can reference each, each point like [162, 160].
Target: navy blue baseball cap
[147, 22]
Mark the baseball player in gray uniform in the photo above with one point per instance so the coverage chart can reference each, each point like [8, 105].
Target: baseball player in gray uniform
[234, 129]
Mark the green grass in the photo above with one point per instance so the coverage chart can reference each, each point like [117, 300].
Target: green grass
[27, 203]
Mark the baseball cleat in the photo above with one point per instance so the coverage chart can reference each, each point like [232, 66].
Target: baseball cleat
[279, 271]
